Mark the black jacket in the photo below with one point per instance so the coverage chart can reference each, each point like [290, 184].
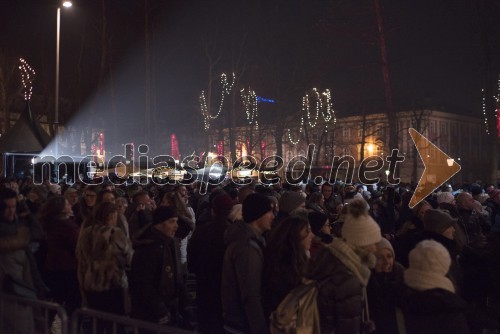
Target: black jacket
[156, 288]
[434, 311]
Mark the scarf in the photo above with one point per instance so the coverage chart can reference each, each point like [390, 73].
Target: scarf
[355, 259]
[423, 280]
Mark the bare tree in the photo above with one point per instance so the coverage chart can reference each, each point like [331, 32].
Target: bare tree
[10, 86]
[316, 119]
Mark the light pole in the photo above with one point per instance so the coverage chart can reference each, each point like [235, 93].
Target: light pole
[65, 4]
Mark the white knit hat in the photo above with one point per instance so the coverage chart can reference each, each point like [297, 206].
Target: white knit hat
[429, 264]
[359, 228]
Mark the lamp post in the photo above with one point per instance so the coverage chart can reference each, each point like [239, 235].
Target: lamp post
[65, 4]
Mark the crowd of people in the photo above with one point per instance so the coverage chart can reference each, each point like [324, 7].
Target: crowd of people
[380, 266]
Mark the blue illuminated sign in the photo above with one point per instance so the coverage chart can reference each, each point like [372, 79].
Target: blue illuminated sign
[265, 100]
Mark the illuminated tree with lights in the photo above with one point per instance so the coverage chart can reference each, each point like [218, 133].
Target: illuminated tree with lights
[254, 133]
[315, 120]
[212, 120]
[484, 19]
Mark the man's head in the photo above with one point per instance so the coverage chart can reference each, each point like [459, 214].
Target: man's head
[258, 212]
[165, 221]
[8, 204]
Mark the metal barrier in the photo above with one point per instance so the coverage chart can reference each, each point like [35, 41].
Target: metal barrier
[87, 321]
[26, 316]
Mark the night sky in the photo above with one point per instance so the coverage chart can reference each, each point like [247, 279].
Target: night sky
[280, 48]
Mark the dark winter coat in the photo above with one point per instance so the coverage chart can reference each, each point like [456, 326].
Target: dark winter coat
[382, 298]
[62, 237]
[205, 254]
[155, 283]
[241, 280]
[340, 296]
[434, 311]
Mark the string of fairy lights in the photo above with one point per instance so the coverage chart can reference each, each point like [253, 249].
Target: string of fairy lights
[497, 108]
[227, 86]
[27, 78]
[250, 104]
[323, 107]
[484, 112]
[301, 129]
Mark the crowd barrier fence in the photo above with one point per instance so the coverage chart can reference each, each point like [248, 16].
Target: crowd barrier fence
[88, 321]
[19, 315]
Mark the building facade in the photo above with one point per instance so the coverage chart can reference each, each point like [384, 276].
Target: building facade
[463, 138]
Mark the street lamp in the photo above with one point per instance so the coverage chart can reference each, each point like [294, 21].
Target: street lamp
[65, 4]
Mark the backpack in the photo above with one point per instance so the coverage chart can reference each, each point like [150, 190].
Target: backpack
[298, 311]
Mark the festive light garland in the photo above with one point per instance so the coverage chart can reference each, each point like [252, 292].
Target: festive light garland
[497, 108]
[27, 78]
[250, 103]
[301, 129]
[484, 112]
[323, 108]
[226, 90]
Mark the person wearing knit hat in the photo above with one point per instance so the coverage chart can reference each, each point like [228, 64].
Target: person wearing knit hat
[222, 204]
[428, 299]
[440, 222]
[429, 264]
[343, 268]
[386, 275]
[256, 206]
[243, 266]
[359, 228]
[290, 201]
[163, 213]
